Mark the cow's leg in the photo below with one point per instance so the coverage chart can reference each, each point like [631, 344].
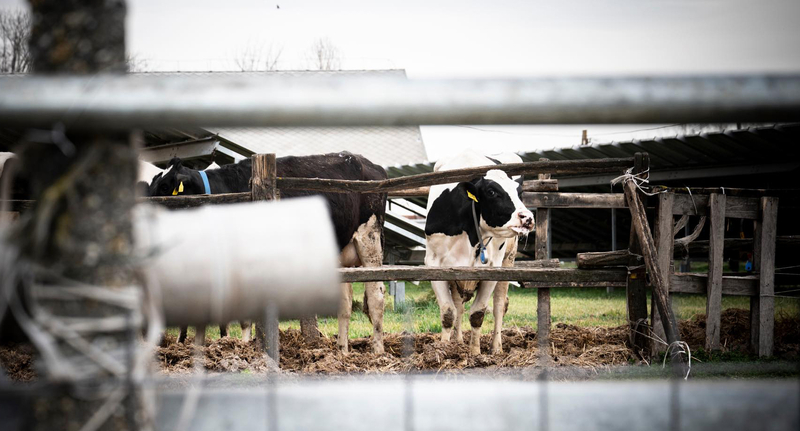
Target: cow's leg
[500, 306]
[477, 313]
[247, 328]
[458, 302]
[345, 310]
[184, 332]
[367, 240]
[447, 310]
[223, 331]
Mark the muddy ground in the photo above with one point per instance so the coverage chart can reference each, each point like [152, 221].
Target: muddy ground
[573, 346]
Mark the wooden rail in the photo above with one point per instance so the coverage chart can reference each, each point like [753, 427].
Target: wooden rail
[533, 277]
[414, 181]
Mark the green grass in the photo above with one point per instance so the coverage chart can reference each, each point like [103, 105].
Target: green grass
[575, 306]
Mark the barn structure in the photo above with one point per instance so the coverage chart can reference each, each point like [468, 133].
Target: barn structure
[751, 158]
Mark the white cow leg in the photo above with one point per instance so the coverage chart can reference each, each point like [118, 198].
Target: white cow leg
[501, 299]
[447, 310]
[498, 310]
[345, 310]
[247, 329]
[458, 302]
[367, 240]
[477, 313]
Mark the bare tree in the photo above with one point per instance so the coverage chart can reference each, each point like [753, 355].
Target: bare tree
[15, 30]
[324, 55]
[253, 57]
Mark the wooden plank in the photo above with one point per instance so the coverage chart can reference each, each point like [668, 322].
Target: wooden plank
[542, 251]
[755, 300]
[466, 174]
[660, 290]
[766, 299]
[716, 208]
[557, 277]
[603, 259]
[545, 263]
[191, 201]
[664, 244]
[635, 287]
[263, 188]
[735, 207]
[698, 283]
[573, 200]
[548, 185]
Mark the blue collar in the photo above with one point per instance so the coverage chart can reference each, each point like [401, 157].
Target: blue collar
[205, 182]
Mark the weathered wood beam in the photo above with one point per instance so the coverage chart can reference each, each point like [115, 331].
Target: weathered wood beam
[636, 286]
[663, 243]
[698, 283]
[573, 200]
[544, 263]
[716, 207]
[456, 175]
[762, 307]
[735, 206]
[542, 251]
[604, 259]
[657, 276]
[191, 201]
[264, 189]
[534, 277]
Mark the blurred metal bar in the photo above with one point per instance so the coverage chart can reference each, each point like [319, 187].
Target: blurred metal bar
[122, 102]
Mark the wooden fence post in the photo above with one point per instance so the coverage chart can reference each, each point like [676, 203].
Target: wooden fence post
[762, 307]
[263, 189]
[716, 245]
[635, 289]
[657, 276]
[664, 244]
[543, 294]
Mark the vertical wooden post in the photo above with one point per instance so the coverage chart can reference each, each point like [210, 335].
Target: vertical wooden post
[264, 189]
[635, 289]
[762, 307]
[664, 244]
[610, 289]
[82, 228]
[542, 251]
[657, 276]
[716, 244]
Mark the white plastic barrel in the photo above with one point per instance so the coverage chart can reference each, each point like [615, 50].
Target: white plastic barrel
[220, 263]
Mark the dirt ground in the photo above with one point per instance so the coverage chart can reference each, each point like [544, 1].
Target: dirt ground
[573, 346]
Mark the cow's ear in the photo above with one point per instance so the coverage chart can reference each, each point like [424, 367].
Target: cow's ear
[180, 179]
[175, 161]
[470, 190]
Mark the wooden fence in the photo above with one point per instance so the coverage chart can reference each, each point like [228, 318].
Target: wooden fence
[649, 253]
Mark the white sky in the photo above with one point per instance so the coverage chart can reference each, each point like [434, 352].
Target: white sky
[468, 38]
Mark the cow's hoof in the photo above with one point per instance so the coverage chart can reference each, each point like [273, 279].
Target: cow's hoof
[475, 351]
[378, 348]
[344, 349]
[497, 350]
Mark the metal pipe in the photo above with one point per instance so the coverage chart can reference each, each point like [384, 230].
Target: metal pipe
[123, 102]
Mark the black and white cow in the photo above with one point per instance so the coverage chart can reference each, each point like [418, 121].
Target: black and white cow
[357, 218]
[453, 238]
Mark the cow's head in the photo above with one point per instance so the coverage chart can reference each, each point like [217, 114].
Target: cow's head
[176, 180]
[497, 199]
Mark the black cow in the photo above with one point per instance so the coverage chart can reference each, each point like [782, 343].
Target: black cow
[357, 218]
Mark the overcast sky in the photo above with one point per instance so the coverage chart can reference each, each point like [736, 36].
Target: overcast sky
[479, 39]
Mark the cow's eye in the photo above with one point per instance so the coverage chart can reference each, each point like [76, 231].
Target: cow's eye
[491, 193]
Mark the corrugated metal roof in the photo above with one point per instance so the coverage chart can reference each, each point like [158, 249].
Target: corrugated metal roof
[741, 147]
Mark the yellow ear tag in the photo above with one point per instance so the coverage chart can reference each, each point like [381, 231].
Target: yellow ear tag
[180, 188]
[174, 192]
[471, 196]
